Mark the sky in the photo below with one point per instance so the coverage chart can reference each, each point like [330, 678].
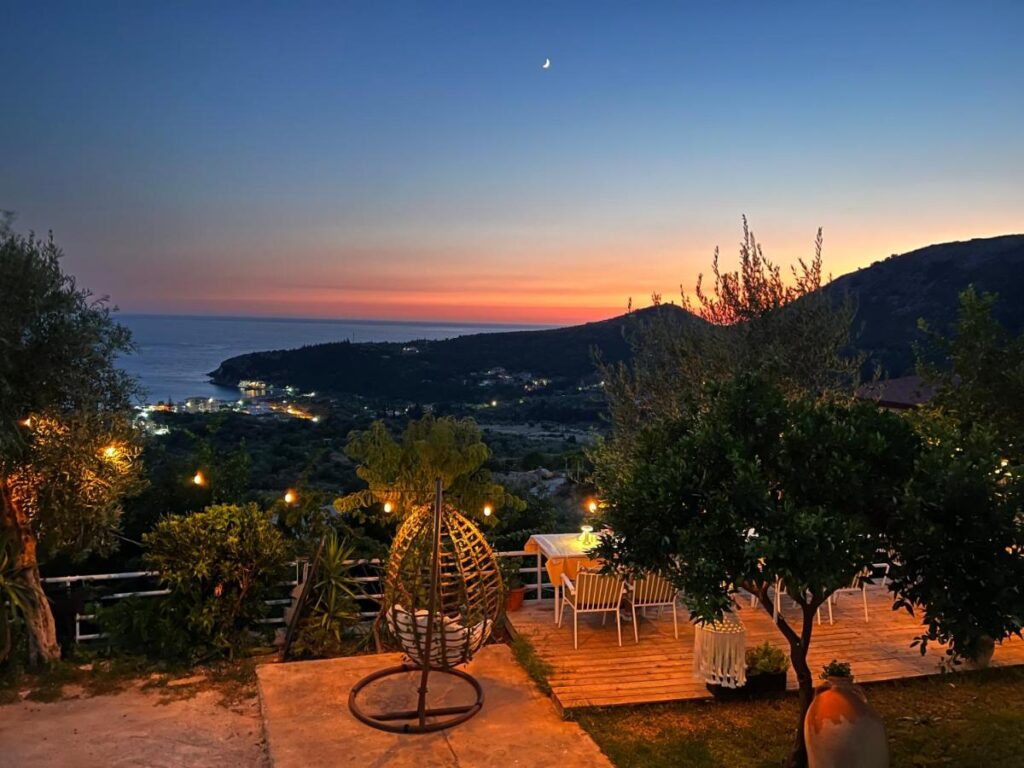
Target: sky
[415, 161]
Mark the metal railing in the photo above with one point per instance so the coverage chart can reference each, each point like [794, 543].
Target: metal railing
[369, 579]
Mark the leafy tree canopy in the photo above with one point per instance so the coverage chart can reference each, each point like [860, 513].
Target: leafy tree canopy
[401, 474]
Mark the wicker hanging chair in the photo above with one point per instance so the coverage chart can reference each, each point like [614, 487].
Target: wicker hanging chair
[442, 595]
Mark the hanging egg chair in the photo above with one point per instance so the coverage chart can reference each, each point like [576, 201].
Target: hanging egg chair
[442, 595]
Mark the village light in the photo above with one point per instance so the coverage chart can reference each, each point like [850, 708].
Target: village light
[198, 478]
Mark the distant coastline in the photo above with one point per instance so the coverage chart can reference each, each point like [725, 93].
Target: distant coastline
[175, 353]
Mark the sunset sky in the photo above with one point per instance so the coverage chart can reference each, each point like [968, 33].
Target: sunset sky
[414, 161]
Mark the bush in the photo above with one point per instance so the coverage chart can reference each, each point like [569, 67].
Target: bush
[836, 668]
[220, 565]
[332, 608]
[766, 659]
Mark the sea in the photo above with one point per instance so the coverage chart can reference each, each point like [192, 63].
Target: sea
[175, 353]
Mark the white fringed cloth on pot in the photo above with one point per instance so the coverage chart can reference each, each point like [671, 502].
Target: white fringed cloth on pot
[720, 652]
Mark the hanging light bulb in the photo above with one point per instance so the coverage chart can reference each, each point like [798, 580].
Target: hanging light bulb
[592, 507]
[388, 507]
[290, 496]
[198, 478]
[488, 510]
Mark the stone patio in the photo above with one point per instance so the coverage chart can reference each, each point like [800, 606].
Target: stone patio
[308, 724]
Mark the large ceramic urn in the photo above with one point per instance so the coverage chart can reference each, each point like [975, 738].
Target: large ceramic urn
[842, 730]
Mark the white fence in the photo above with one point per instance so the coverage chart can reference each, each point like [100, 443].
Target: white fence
[533, 578]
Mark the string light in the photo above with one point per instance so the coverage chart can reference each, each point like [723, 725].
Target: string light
[26, 422]
[290, 496]
[488, 510]
[110, 451]
[388, 507]
[592, 507]
[198, 478]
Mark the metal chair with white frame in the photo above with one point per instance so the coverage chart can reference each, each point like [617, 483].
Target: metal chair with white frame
[652, 591]
[860, 583]
[591, 593]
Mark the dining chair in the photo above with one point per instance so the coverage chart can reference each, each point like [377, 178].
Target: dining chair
[591, 593]
[860, 583]
[651, 591]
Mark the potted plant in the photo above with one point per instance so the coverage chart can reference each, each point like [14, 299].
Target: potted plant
[766, 670]
[841, 727]
[513, 581]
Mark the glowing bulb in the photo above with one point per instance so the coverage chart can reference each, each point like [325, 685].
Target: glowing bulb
[26, 422]
[494, 403]
[110, 451]
[290, 496]
[592, 506]
[198, 478]
[488, 510]
[387, 507]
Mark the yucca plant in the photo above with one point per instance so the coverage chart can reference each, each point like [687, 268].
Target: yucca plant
[333, 606]
[16, 599]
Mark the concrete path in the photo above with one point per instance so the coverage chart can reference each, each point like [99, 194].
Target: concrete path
[131, 729]
[308, 724]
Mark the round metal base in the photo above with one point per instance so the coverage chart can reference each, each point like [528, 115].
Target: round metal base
[416, 720]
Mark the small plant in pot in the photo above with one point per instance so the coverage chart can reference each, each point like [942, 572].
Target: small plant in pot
[766, 670]
[766, 674]
[839, 670]
[513, 581]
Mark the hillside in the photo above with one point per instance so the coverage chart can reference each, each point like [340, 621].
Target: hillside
[459, 368]
[891, 295]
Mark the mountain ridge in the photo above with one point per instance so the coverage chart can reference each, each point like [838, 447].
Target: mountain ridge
[889, 296]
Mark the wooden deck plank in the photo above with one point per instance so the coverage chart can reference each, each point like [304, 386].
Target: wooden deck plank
[660, 668]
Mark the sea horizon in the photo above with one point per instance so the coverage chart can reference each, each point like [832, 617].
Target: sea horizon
[174, 353]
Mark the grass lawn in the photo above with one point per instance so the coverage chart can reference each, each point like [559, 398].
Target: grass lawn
[962, 720]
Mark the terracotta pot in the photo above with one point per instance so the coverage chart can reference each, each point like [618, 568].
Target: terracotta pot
[842, 730]
[514, 599]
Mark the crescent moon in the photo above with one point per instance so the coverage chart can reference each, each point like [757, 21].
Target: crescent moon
[546, 64]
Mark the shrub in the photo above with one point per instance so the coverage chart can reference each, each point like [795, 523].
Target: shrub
[836, 668]
[332, 608]
[220, 565]
[766, 659]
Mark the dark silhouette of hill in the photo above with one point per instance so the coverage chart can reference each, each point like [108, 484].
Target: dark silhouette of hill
[891, 295]
[430, 371]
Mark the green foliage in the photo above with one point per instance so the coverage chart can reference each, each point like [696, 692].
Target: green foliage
[402, 474]
[220, 565]
[766, 659]
[332, 610]
[511, 578]
[754, 320]
[836, 668]
[150, 627]
[16, 600]
[747, 486]
[979, 377]
[960, 538]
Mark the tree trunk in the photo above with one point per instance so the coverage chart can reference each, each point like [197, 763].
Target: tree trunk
[798, 645]
[798, 657]
[42, 630]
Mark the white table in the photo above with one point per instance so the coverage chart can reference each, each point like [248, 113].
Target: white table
[566, 553]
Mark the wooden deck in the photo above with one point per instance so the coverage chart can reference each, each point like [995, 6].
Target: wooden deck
[660, 668]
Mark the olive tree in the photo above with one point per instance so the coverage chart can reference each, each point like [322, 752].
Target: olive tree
[68, 451]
